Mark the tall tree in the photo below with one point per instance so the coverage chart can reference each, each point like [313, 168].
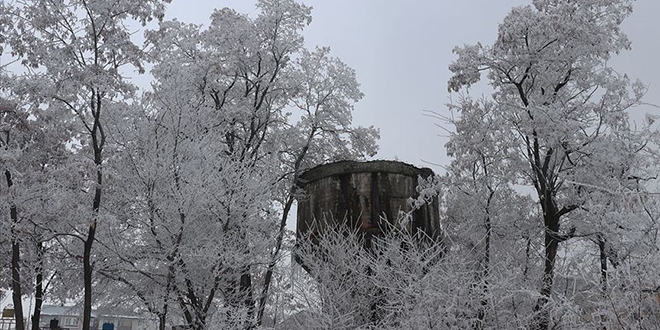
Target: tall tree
[32, 151]
[13, 122]
[485, 218]
[323, 92]
[76, 51]
[238, 110]
[562, 106]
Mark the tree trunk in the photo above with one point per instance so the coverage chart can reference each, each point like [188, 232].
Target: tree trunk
[282, 229]
[16, 285]
[528, 251]
[551, 221]
[162, 317]
[39, 287]
[481, 313]
[271, 266]
[17, 295]
[485, 267]
[542, 318]
[98, 142]
[87, 255]
[248, 299]
[87, 276]
[603, 263]
[603, 273]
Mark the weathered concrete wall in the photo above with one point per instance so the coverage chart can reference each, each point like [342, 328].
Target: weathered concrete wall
[363, 194]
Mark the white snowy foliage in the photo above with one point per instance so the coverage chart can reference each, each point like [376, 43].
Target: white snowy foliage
[557, 124]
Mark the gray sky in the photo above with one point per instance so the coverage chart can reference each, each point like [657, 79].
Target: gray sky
[401, 51]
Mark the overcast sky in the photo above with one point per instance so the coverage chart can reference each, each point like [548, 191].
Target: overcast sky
[401, 51]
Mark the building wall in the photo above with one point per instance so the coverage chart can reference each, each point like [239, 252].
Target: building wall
[75, 323]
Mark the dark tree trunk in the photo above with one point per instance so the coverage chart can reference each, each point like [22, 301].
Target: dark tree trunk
[603, 263]
[551, 243]
[280, 235]
[39, 287]
[542, 318]
[271, 266]
[485, 267]
[88, 266]
[248, 298]
[238, 294]
[528, 251]
[162, 317]
[481, 313]
[603, 272]
[17, 294]
[98, 142]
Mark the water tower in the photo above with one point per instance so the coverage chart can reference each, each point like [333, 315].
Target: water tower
[364, 195]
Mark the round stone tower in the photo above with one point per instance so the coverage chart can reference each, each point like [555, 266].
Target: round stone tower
[364, 196]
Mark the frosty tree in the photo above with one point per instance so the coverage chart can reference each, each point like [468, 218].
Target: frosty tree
[74, 52]
[180, 195]
[237, 111]
[562, 111]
